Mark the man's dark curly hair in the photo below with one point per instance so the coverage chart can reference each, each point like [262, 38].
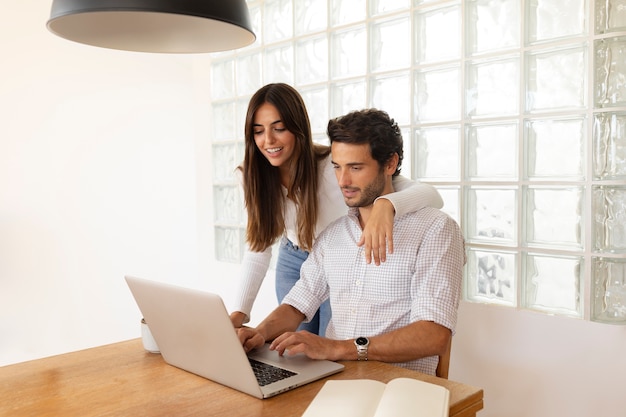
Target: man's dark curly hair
[371, 126]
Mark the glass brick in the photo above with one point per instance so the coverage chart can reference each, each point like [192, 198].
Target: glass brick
[230, 244]
[491, 215]
[451, 202]
[310, 16]
[437, 95]
[227, 203]
[347, 96]
[321, 138]
[438, 34]
[390, 47]
[378, 7]
[316, 100]
[407, 141]
[609, 219]
[241, 109]
[393, 95]
[491, 277]
[553, 284]
[557, 80]
[552, 19]
[348, 53]
[240, 151]
[610, 16]
[278, 64]
[493, 88]
[225, 160]
[608, 289]
[312, 60]
[610, 67]
[554, 217]
[492, 151]
[609, 146]
[437, 153]
[222, 79]
[223, 121]
[346, 11]
[277, 20]
[561, 140]
[492, 25]
[249, 78]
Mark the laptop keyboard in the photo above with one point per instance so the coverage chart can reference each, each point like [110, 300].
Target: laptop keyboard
[266, 373]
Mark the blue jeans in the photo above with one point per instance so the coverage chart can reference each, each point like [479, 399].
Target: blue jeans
[290, 259]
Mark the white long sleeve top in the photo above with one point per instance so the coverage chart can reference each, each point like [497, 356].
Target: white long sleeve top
[409, 196]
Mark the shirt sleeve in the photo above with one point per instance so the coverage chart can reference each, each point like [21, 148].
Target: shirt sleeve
[253, 270]
[437, 283]
[311, 290]
[411, 196]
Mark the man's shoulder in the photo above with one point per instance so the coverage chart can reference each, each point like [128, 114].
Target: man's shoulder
[429, 215]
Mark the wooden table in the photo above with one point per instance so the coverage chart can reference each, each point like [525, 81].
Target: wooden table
[124, 380]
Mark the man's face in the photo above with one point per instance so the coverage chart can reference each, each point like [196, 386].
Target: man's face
[360, 177]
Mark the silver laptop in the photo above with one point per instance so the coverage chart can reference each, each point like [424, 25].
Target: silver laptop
[193, 332]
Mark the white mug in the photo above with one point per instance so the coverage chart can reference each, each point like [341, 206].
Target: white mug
[149, 343]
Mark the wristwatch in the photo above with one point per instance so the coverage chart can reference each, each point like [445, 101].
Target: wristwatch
[361, 343]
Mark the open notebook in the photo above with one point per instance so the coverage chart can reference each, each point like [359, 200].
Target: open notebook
[194, 332]
[400, 397]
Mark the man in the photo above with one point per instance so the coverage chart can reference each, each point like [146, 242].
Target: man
[402, 311]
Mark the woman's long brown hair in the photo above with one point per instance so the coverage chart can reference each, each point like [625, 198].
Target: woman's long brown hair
[263, 195]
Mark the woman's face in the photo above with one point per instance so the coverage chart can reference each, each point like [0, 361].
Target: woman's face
[271, 136]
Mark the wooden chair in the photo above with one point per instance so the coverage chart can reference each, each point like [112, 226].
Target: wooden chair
[444, 362]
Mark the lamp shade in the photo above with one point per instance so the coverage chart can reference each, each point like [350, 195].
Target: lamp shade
[169, 26]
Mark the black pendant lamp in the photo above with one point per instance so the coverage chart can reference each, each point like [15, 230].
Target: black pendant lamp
[168, 26]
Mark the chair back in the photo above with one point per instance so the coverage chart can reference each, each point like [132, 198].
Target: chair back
[444, 362]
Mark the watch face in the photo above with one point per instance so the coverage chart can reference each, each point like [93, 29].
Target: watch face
[361, 341]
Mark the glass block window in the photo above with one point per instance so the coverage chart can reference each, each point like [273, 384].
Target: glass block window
[514, 109]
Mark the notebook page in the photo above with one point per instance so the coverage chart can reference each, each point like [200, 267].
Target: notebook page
[346, 398]
[406, 397]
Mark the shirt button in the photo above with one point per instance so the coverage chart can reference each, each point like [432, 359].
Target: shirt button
[358, 282]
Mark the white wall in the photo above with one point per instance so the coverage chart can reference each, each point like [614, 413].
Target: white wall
[105, 171]
[533, 365]
[97, 180]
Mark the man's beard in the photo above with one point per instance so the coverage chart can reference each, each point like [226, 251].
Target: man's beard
[370, 193]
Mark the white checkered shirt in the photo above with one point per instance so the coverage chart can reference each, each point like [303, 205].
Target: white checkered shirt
[421, 280]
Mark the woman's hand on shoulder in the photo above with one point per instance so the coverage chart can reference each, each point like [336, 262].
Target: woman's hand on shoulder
[377, 236]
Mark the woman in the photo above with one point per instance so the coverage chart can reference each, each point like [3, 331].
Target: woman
[291, 192]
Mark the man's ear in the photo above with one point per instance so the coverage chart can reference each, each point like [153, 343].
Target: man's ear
[392, 164]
